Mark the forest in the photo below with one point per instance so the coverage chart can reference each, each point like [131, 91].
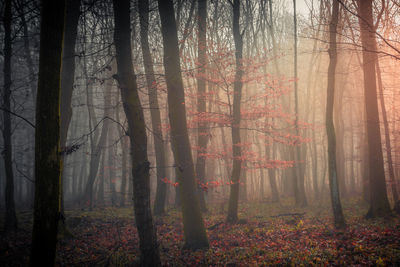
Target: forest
[199, 133]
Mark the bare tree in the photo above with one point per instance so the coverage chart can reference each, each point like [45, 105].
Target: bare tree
[330, 128]
[161, 191]
[193, 225]
[10, 216]
[237, 94]
[379, 203]
[47, 136]
[150, 255]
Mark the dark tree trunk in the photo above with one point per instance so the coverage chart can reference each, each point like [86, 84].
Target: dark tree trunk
[193, 225]
[47, 136]
[126, 78]
[68, 66]
[72, 11]
[161, 192]
[27, 52]
[202, 138]
[11, 218]
[379, 203]
[237, 95]
[330, 129]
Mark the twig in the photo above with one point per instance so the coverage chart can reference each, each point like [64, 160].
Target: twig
[19, 116]
[288, 214]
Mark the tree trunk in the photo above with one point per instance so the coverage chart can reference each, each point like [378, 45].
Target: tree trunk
[330, 128]
[27, 51]
[272, 174]
[126, 78]
[237, 94]
[47, 136]
[387, 136]
[161, 191]
[301, 199]
[193, 225]
[202, 138]
[96, 149]
[124, 173]
[72, 12]
[100, 192]
[379, 203]
[68, 66]
[10, 218]
[111, 167]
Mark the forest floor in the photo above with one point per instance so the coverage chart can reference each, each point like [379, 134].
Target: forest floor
[266, 235]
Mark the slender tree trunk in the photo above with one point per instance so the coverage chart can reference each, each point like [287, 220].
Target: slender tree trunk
[272, 175]
[193, 225]
[161, 191]
[387, 136]
[352, 174]
[202, 138]
[301, 199]
[379, 203]
[96, 151]
[126, 78]
[72, 12]
[47, 136]
[68, 66]
[27, 51]
[10, 218]
[100, 192]
[111, 168]
[330, 129]
[124, 174]
[237, 94]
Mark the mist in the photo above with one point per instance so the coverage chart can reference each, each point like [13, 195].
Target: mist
[199, 133]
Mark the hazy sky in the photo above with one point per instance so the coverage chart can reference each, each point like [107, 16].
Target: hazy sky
[300, 6]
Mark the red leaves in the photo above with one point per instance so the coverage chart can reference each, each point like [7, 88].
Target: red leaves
[109, 235]
[165, 180]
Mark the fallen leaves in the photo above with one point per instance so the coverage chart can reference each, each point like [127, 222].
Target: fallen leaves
[108, 237]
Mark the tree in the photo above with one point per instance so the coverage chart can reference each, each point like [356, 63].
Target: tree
[202, 137]
[10, 216]
[193, 225]
[299, 190]
[150, 255]
[387, 139]
[237, 95]
[67, 83]
[379, 203]
[330, 128]
[161, 191]
[47, 136]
